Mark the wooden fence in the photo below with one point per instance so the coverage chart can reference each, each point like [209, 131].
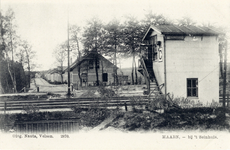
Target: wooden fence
[47, 126]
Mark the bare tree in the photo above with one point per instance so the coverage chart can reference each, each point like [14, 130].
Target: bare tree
[27, 55]
[74, 42]
[186, 21]
[7, 35]
[60, 55]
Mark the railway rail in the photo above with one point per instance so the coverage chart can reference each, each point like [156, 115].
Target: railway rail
[56, 103]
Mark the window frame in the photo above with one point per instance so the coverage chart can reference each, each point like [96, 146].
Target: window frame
[153, 42]
[105, 77]
[192, 87]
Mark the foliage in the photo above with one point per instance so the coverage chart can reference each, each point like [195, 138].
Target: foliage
[158, 102]
[93, 41]
[94, 116]
[8, 45]
[154, 20]
[137, 104]
[75, 33]
[27, 55]
[76, 108]
[201, 118]
[113, 37]
[105, 92]
[60, 54]
[113, 42]
[7, 122]
[5, 80]
[132, 37]
[187, 103]
[93, 36]
[186, 21]
[75, 45]
[30, 108]
[12, 57]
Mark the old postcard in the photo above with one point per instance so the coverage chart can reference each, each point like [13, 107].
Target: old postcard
[112, 74]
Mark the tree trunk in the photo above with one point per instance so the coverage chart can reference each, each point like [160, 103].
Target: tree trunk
[115, 62]
[11, 76]
[61, 73]
[102, 71]
[133, 66]
[28, 69]
[225, 76]
[87, 76]
[14, 78]
[79, 75]
[79, 67]
[61, 78]
[135, 69]
[96, 70]
[29, 76]
[221, 60]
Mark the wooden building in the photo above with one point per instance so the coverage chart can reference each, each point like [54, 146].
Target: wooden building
[86, 64]
[181, 61]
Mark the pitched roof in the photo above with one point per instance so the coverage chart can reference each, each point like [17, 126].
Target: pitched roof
[56, 70]
[89, 56]
[182, 30]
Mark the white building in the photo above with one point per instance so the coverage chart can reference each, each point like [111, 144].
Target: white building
[183, 60]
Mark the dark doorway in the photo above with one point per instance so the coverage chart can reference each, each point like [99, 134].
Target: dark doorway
[105, 77]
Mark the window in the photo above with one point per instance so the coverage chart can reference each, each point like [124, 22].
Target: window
[192, 87]
[84, 77]
[91, 64]
[154, 47]
[175, 37]
[105, 77]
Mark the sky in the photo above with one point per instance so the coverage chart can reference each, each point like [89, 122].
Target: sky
[43, 23]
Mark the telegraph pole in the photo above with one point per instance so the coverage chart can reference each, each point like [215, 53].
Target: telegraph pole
[225, 75]
[68, 94]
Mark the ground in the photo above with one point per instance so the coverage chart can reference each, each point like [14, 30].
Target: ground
[44, 86]
[136, 118]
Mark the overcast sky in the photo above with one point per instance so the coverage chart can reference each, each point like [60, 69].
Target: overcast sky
[44, 23]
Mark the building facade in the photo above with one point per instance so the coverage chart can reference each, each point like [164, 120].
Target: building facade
[88, 73]
[185, 60]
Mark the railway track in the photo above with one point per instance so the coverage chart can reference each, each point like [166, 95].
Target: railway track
[69, 102]
[60, 103]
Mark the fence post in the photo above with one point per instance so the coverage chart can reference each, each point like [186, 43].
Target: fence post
[4, 108]
[126, 107]
[26, 128]
[228, 99]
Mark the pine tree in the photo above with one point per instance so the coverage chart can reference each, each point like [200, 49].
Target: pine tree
[113, 38]
[132, 37]
[93, 41]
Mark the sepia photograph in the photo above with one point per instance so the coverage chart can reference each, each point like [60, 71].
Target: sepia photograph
[114, 74]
